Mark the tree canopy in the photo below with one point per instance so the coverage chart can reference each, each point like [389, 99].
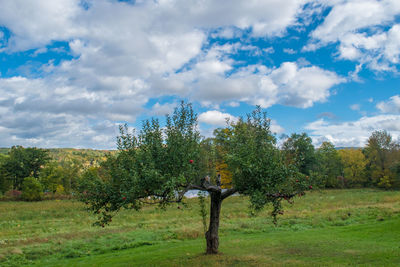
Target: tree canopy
[23, 162]
[299, 151]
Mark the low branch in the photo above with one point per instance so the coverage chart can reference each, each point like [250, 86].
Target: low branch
[228, 193]
[205, 187]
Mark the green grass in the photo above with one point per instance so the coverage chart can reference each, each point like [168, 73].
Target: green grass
[335, 227]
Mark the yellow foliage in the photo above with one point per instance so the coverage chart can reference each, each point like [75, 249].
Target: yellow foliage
[60, 190]
[226, 175]
[354, 162]
[385, 182]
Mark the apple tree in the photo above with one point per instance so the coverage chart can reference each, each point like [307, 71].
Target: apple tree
[159, 165]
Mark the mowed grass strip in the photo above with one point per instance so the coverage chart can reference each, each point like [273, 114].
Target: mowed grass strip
[375, 244]
[332, 227]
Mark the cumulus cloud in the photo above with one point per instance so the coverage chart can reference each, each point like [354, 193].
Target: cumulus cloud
[125, 54]
[365, 30]
[215, 117]
[163, 109]
[276, 128]
[289, 85]
[353, 133]
[56, 130]
[36, 23]
[47, 114]
[390, 106]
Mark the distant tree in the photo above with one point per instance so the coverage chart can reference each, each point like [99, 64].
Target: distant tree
[51, 176]
[329, 164]
[379, 152]
[5, 184]
[354, 163]
[24, 162]
[70, 173]
[160, 165]
[299, 150]
[32, 189]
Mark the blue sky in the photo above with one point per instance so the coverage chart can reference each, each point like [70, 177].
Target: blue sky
[71, 71]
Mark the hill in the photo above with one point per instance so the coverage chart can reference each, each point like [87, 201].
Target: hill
[86, 157]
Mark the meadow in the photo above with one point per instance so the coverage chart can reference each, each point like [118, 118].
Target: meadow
[323, 228]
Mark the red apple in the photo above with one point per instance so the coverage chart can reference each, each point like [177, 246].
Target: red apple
[191, 161]
[310, 187]
[124, 198]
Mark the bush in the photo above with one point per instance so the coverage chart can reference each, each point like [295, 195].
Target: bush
[32, 189]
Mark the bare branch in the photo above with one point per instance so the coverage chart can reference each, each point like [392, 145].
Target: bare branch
[228, 193]
[206, 187]
[213, 188]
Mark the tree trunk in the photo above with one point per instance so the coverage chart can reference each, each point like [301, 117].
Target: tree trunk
[212, 233]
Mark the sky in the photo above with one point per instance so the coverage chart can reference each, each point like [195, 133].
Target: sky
[72, 71]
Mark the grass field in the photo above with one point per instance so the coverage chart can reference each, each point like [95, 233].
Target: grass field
[324, 228]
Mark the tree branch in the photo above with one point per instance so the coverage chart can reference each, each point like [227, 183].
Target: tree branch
[228, 193]
[205, 187]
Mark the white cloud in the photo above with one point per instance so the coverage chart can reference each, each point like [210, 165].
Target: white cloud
[269, 50]
[125, 54]
[301, 87]
[353, 133]
[276, 128]
[390, 106]
[36, 23]
[56, 130]
[365, 29]
[216, 118]
[50, 114]
[163, 109]
[289, 51]
[289, 85]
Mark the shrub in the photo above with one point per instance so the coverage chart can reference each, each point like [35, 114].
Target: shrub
[32, 189]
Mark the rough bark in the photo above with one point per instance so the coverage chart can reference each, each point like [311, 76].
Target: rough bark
[212, 237]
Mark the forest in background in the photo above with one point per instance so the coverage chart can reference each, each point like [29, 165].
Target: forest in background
[57, 174]
[36, 174]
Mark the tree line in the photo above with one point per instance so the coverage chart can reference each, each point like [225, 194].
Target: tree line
[60, 171]
[33, 174]
[375, 165]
